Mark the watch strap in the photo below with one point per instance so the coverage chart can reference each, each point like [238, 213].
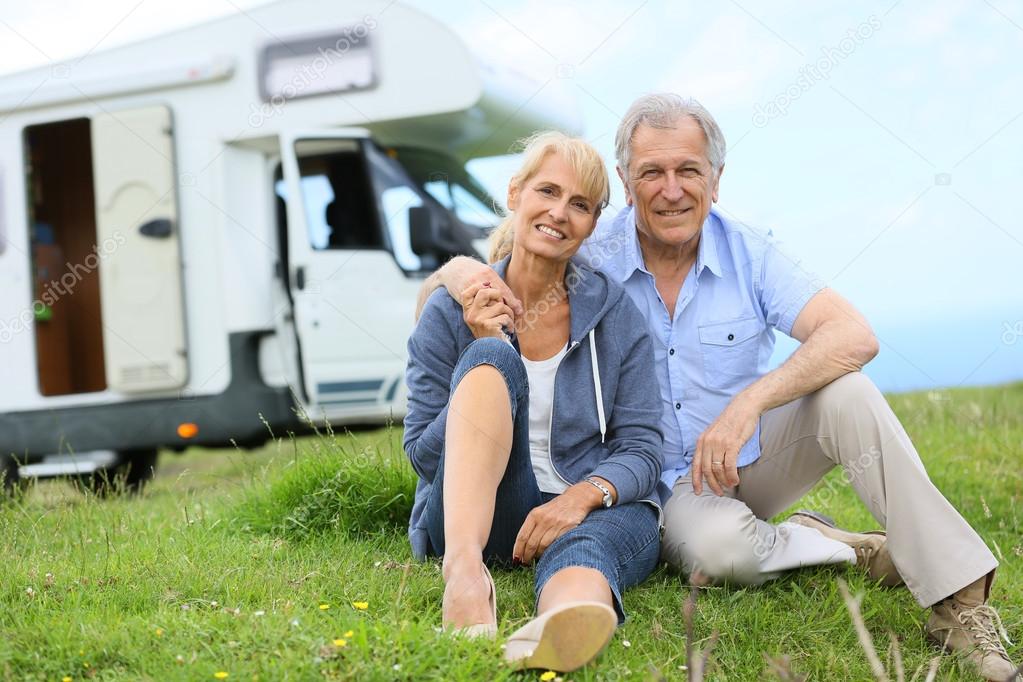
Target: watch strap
[607, 500]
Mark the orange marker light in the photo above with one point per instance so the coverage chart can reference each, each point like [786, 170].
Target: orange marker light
[188, 430]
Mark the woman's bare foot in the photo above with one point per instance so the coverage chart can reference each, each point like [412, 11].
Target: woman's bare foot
[467, 593]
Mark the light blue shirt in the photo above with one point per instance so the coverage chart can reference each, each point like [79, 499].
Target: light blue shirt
[720, 338]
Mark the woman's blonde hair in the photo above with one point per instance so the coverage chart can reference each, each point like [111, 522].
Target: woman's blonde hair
[581, 156]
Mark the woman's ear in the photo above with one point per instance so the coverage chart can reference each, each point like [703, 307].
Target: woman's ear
[513, 196]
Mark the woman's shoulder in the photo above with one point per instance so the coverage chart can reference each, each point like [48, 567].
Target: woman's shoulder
[584, 279]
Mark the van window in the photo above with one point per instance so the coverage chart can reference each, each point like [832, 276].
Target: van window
[358, 196]
[338, 201]
[451, 184]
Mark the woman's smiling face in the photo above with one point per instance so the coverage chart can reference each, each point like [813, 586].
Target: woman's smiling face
[552, 213]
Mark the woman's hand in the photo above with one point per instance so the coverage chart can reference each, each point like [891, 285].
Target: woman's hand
[485, 312]
[548, 522]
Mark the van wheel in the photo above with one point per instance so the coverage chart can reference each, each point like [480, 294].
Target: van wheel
[129, 474]
[12, 484]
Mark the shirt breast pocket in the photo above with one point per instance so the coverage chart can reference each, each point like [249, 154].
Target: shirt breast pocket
[731, 351]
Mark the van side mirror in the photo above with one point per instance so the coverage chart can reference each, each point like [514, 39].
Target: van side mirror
[431, 232]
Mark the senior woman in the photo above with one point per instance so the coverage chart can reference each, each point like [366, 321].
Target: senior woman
[538, 441]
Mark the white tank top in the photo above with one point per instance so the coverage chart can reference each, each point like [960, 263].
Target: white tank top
[541, 400]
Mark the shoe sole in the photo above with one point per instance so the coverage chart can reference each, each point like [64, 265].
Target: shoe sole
[842, 535]
[830, 523]
[569, 640]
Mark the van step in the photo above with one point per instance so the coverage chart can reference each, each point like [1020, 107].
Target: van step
[69, 465]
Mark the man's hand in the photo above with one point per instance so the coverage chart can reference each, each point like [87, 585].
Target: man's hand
[717, 448]
[548, 522]
[458, 275]
[484, 311]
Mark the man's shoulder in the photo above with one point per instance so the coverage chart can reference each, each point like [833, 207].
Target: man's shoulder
[741, 236]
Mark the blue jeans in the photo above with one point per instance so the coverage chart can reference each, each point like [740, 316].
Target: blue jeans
[622, 542]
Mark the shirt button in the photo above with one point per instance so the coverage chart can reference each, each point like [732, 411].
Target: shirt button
[678, 406]
[731, 337]
[671, 351]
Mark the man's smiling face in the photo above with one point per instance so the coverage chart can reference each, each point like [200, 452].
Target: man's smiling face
[670, 181]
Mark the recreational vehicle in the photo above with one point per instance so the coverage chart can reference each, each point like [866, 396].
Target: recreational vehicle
[209, 232]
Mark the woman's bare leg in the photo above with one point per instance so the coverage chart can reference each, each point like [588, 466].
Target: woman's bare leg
[478, 440]
[576, 583]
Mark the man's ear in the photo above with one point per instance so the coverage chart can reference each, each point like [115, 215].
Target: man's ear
[625, 184]
[717, 184]
[513, 196]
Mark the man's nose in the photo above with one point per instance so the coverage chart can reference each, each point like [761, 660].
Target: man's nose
[672, 190]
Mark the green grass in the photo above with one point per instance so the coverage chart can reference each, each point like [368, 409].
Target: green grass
[224, 562]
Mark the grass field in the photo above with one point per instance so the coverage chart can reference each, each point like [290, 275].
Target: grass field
[291, 562]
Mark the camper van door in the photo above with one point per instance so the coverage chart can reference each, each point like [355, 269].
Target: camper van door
[137, 240]
[353, 302]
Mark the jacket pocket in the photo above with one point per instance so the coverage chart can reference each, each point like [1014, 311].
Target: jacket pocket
[730, 350]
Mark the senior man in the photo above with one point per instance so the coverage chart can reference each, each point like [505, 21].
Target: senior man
[713, 291]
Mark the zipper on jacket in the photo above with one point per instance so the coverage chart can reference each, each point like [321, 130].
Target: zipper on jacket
[550, 424]
[550, 439]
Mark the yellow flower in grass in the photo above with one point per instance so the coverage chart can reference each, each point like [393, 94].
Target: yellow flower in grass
[66, 678]
[159, 632]
[324, 607]
[220, 675]
[349, 634]
[361, 605]
[548, 676]
[340, 642]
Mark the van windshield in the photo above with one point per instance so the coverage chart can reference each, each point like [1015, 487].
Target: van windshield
[447, 181]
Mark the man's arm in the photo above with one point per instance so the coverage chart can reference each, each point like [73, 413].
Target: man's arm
[457, 275]
[835, 339]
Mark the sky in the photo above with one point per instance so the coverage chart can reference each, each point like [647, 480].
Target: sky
[880, 141]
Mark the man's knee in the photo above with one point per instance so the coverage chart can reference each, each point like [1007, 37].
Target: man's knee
[850, 393]
[724, 546]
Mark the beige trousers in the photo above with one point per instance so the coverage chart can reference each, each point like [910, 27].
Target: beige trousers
[846, 423]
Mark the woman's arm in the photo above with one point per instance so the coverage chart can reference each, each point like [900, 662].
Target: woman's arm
[633, 466]
[432, 354]
[635, 458]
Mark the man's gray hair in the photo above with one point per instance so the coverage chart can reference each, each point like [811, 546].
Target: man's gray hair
[663, 110]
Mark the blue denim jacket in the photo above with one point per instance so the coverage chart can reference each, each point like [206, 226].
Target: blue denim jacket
[629, 455]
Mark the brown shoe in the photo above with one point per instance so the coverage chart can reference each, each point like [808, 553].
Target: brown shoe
[964, 623]
[871, 547]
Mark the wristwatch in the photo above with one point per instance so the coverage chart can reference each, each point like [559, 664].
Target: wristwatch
[607, 500]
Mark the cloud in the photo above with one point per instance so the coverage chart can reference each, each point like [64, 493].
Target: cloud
[50, 30]
[728, 63]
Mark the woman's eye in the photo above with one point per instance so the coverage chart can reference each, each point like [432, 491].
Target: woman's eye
[546, 190]
[582, 206]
